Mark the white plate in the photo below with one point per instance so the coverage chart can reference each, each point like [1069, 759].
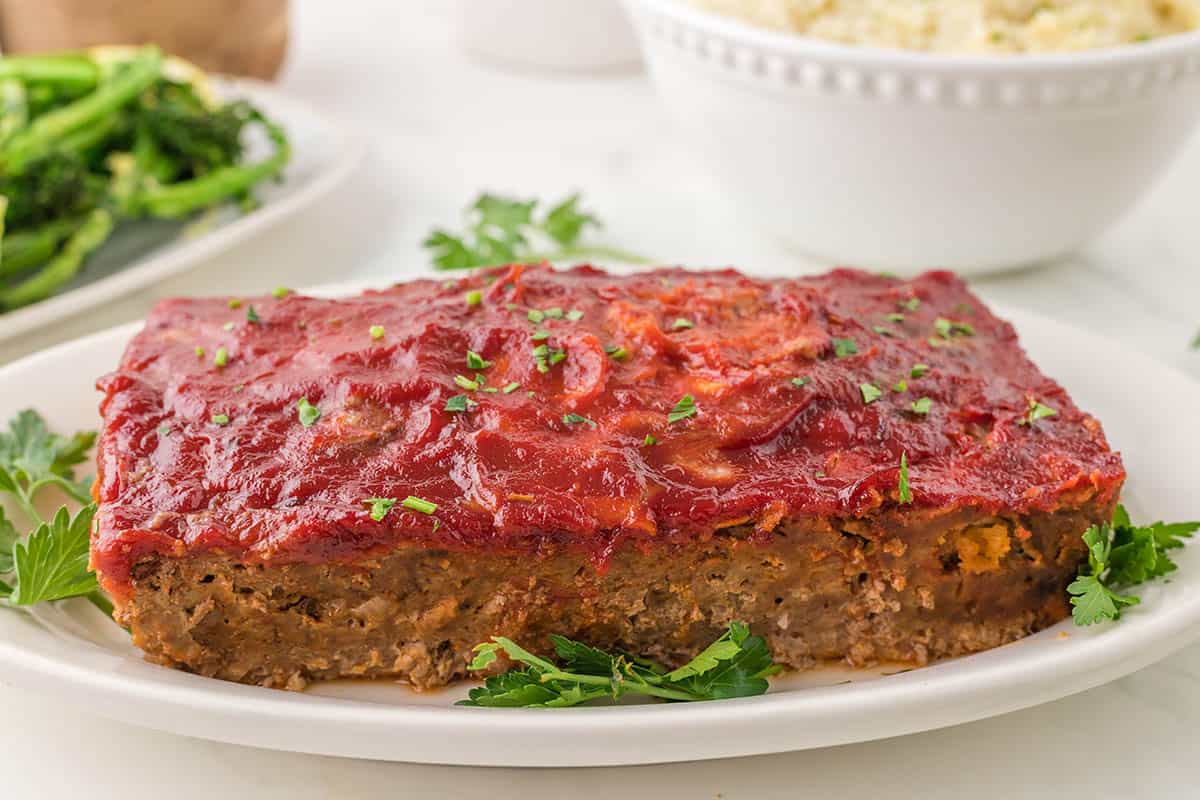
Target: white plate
[73, 652]
[324, 152]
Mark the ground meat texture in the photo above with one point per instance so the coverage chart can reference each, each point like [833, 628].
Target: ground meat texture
[905, 588]
[633, 461]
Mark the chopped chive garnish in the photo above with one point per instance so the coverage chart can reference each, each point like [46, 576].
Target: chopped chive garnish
[844, 347]
[376, 331]
[419, 504]
[575, 419]
[895, 317]
[900, 386]
[649, 440]
[476, 361]
[557, 356]
[509, 388]
[540, 335]
[474, 297]
[882, 331]
[510, 306]
[280, 292]
[163, 430]
[922, 406]
[535, 316]
[574, 315]
[252, 315]
[870, 392]
[460, 402]
[686, 407]
[918, 370]
[800, 383]
[554, 313]
[911, 304]
[616, 352]
[220, 419]
[199, 352]
[228, 326]
[307, 412]
[682, 324]
[221, 358]
[466, 383]
[903, 491]
[239, 388]
[380, 506]
[235, 303]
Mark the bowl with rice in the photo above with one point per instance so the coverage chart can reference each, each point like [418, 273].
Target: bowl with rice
[974, 135]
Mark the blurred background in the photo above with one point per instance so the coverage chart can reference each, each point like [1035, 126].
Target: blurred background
[536, 99]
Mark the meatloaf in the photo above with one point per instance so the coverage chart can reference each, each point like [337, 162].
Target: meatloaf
[862, 468]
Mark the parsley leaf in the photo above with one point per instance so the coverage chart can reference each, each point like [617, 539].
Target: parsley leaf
[458, 403]
[948, 328]
[53, 563]
[307, 412]
[31, 457]
[576, 419]
[503, 230]
[686, 407]
[870, 392]
[1035, 412]
[476, 361]
[1121, 554]
[735, 665]
[903, 490]
[844, 347]
[8, 537]
[565, 222]
[379, 507]
[682, 324]
[922, 407]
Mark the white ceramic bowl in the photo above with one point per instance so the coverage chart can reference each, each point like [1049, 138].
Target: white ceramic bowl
[902, 160]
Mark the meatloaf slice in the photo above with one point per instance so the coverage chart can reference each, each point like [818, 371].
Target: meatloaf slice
[370, 486]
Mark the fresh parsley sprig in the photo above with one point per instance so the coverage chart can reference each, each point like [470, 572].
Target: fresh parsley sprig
[505, 230]
[31, 458]
[735, 665]
[51, 563]
[1121, 555]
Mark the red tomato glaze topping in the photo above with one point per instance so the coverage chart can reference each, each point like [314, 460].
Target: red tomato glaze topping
[538, 408]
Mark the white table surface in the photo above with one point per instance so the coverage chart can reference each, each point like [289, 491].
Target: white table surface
[444, 128]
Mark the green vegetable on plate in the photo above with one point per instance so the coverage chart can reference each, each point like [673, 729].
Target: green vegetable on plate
[89, 141]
